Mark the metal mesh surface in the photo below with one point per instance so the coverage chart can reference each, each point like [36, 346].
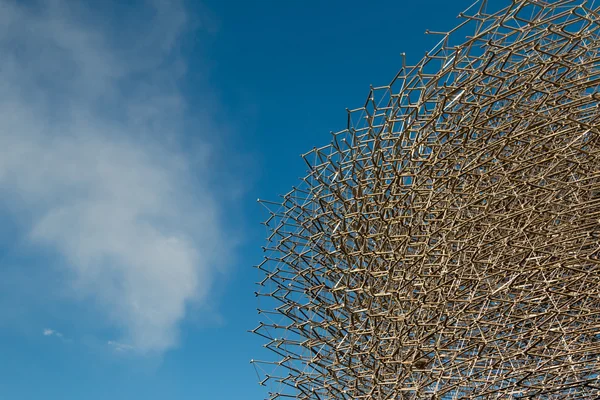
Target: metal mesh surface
[446, 244]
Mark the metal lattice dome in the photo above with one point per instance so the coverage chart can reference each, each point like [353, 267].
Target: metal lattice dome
[446, 244]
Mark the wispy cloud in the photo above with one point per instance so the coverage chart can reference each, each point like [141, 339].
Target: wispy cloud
[90, 133]
[120, 347]
[52, 332]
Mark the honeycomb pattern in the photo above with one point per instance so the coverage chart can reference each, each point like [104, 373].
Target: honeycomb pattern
[446, 244]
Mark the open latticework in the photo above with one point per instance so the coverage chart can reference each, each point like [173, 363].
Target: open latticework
[446, 244]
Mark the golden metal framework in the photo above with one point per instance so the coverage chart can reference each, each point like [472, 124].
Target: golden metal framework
[446, 244]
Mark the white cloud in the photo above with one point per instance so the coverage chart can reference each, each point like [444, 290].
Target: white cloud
[52, 332]
[89, 129]
[120, 347]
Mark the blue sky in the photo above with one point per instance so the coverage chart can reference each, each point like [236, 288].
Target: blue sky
[135, 138]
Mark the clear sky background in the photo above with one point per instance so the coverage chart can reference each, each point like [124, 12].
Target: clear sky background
[135, 138]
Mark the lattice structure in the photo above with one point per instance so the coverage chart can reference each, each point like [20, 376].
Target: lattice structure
[446, 244]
